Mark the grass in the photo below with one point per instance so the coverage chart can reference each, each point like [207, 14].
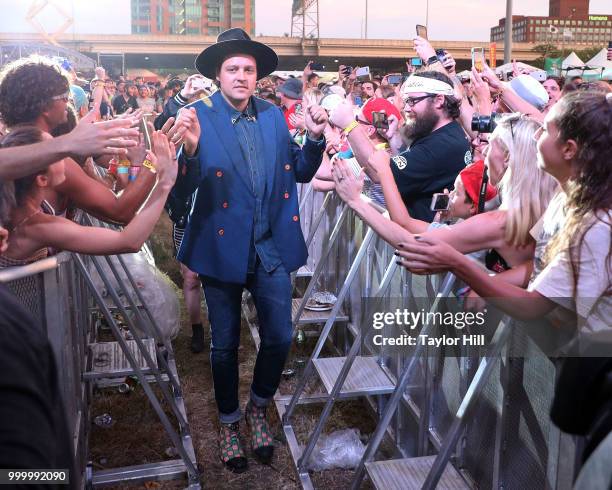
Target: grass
[138, 437]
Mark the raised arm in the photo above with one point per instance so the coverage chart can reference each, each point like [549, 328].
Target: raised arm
[95, 198]
[85, 140]
[428, 255]
[67, 235]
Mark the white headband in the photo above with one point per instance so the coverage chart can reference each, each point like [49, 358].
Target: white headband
[416, 84]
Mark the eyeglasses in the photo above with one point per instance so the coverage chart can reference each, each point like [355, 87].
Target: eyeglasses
[412, 101]
[65, 97]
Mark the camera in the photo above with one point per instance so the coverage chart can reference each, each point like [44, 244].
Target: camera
[394, 79]
[317, 66]
[441, 54]
[484, 124]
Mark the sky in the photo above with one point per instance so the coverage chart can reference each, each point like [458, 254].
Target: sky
[456, 20]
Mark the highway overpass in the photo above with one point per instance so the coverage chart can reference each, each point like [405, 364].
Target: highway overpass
[178, 52]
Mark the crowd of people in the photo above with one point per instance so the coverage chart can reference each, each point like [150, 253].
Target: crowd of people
[505, 183]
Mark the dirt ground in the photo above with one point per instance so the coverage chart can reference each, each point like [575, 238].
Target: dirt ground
[137, 436]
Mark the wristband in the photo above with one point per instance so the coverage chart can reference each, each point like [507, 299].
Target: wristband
[124, 163]
[134, 172]
[350, 127]
[148, 164]
[123, 170]
[131, 178]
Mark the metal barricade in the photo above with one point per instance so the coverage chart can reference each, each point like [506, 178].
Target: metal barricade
[57, 298]
[505, 439]
[62, 296]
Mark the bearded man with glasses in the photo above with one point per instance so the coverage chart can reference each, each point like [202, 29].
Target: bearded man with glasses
[436, 147]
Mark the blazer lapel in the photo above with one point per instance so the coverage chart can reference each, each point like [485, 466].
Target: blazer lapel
[267, 127]
[225, 130]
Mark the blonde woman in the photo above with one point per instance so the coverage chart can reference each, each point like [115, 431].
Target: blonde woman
[525, 192]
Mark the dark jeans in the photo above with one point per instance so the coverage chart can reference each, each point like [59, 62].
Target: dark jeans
[272, 295]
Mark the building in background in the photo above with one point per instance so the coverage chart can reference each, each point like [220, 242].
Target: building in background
[568, 22]
[192, 17]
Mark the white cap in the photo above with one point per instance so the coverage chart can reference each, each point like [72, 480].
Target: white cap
[416, 84]
[530, 90]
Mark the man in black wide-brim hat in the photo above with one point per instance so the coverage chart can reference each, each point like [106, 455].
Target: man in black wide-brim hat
[244, 229]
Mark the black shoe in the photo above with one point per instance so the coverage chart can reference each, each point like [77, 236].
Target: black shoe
[197, 338]
[231, 452]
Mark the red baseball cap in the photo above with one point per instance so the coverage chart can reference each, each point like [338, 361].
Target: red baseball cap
[378, 104]
[471, 176]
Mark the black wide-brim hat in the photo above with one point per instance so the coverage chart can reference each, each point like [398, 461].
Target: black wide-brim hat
[231, 42]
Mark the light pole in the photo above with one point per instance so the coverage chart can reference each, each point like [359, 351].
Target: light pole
[508, 33]
[366, 19]
[427, 15]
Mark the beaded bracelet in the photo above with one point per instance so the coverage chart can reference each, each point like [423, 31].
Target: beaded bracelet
[123, 170]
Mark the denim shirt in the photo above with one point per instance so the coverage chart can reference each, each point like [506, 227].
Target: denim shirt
[250, 139]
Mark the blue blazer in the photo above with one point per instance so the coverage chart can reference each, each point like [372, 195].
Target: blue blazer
[218, 234]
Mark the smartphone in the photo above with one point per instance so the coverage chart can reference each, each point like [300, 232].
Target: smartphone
[394, 79]
[347, 70]
[363, 73]
[143, 127]
[357, 100]
[317, 66]
[421, 31]
[441, 54]
[478, 59]
[380, 120]
[298, 108]
[440, 202]
[416, 61]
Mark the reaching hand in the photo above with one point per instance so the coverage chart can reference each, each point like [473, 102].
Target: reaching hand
[163, 157]
[188, 120]
[379, 162]
[391, 131]
[427, 255]
[482, 93]
[137, 154]
[188, 91]
[308, 69]
[103, 138]
[449, 63]
[297, 120]
[347, 186]
[342, 115]
[423, 48]
[315, 119]
[489, 76]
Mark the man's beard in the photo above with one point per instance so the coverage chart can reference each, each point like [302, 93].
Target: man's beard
[420, 127]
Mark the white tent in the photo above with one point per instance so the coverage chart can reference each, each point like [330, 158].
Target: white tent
[572, 61]
[600, 60]
[594, 69]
